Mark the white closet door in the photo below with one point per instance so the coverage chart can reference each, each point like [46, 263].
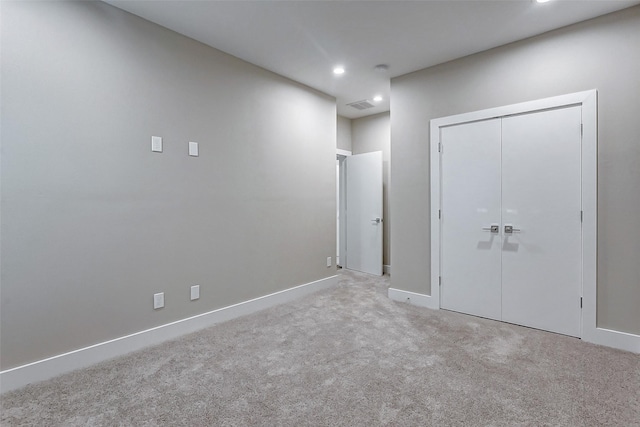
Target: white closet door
[541, 200]
[470, 251]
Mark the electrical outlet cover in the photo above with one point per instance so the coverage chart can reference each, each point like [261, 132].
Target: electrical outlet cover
[195, 292]
[158, 300]
[156, 144]
[193, 149]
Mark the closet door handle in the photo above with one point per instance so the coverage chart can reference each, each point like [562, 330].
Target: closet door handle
[508, 229]
[493, 228]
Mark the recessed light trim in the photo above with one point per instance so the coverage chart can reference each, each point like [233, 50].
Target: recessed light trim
[542, 1]
[377, 98]
[338, 70]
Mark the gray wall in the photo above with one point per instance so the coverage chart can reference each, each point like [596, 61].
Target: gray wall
[94, 223]
[344, 133]
[604, 54]
[373, 133]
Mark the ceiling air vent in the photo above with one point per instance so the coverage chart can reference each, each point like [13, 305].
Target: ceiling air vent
[361, 105]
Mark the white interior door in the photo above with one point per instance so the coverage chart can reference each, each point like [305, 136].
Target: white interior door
[521, 173]
[364, 212]
[541, 198]
[470, 203]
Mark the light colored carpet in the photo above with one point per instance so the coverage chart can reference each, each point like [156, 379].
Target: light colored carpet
[347, 356]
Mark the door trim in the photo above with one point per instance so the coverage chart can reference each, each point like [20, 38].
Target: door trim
[588, 101]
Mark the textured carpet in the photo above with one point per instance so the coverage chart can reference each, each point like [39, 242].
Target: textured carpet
[347, 356]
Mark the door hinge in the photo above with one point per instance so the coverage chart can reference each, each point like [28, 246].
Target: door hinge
[439, 214]
[580, 302]
[581, 130]
[581, 216]
[439, 280]
[439, 147]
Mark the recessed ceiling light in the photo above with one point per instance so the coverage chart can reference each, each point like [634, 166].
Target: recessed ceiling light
[338, 70]
[377, 98]
[542, 1]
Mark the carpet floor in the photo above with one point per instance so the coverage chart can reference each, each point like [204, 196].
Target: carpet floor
[347, 356]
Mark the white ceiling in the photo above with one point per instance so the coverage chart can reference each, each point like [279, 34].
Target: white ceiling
[304, 40]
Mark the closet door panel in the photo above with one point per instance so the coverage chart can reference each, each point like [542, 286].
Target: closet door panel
[541, 201]
[470, 251]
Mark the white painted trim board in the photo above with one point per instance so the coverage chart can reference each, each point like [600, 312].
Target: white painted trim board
[20, 376]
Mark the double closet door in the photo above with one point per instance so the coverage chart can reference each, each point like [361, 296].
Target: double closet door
[511, 227]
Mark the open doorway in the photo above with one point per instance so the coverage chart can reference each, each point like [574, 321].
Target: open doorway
[341, 236]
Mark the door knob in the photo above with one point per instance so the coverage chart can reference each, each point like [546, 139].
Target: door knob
[494, 228]
[376, 220]
[508, 229]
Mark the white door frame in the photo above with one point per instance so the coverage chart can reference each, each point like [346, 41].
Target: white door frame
[588, 101]
[341, 256]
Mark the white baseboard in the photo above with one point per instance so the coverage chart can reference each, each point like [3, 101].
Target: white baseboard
[413, 298]
[615, 339]
[386, 269]
[20, 376]
[600, 336]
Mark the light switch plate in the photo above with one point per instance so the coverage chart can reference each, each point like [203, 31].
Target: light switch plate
[193, 149]
[158, 300]
[328, 261]
[156, 144]
[195, 292]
